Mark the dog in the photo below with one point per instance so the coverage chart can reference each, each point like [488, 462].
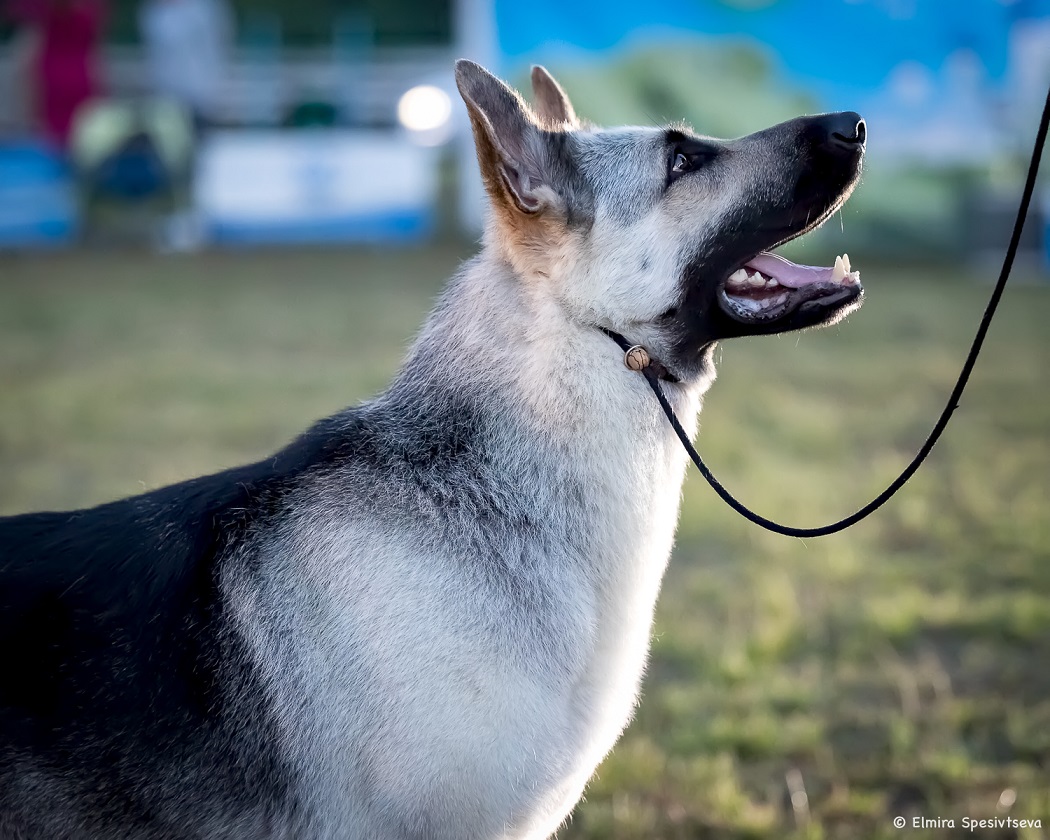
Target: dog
[428, 617]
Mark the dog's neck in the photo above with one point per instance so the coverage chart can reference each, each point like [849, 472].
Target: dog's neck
[495, 329]
[562, 399]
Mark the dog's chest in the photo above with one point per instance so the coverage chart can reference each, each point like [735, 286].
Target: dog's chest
[631, 545]
[431, 677]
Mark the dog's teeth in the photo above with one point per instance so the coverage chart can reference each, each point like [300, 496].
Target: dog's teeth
[756, 280]
[839, 272]
[845, 262]
[737, 278]
[771, 282]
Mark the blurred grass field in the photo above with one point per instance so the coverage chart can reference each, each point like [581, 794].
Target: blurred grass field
[797, 689]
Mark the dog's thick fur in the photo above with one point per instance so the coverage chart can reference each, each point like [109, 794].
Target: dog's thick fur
[428, 617]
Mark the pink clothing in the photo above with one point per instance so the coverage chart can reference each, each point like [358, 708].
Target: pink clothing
[65, 72]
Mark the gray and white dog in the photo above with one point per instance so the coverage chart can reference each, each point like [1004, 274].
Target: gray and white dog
[429, 616]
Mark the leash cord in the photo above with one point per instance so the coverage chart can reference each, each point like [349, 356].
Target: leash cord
[652, 377]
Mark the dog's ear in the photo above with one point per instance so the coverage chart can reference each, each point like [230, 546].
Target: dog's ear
[550, 100]
[509, 143]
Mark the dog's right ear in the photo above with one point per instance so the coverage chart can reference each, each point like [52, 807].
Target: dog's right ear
[508, 141]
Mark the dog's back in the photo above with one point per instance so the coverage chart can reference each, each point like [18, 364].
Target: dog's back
[126, 697]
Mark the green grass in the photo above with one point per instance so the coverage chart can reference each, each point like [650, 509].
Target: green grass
[902, 667]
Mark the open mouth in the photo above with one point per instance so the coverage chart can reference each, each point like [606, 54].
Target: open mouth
[768, 288]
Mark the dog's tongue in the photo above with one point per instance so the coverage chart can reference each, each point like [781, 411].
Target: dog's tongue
[794, 276]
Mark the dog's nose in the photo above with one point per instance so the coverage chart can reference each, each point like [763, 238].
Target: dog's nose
[843, 133]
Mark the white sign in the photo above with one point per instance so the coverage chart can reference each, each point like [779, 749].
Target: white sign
[306, 185]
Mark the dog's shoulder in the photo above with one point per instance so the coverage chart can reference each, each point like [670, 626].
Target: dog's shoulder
[130, 554]
[115, 637]
[114, 618]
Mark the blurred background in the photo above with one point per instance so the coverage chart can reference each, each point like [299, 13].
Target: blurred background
[223, 219]
[196, 123]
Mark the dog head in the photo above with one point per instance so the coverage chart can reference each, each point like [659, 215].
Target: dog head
[659, 233]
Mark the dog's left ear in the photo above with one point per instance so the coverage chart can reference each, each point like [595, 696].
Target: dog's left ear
[509, 143]
[552, 103]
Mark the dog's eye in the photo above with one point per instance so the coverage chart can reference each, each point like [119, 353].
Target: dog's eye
[688, 159]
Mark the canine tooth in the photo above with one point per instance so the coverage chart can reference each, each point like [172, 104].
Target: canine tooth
[738, 277]
[845, 262]
[839, 272]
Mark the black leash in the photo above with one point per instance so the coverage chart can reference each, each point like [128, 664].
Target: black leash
[637, 359]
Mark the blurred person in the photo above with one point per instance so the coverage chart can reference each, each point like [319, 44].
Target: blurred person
[186, 43]
[64, 65]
